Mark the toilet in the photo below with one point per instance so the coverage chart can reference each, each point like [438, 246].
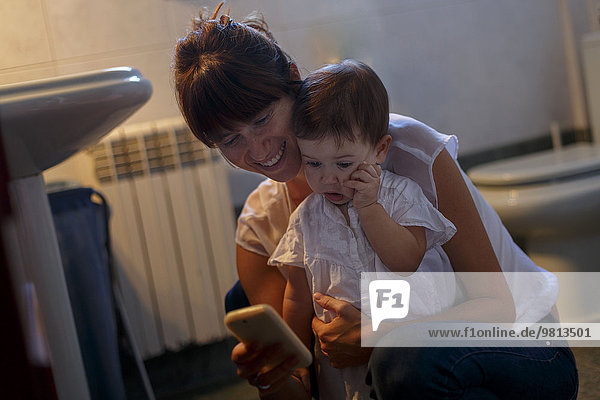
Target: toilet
[550, 203]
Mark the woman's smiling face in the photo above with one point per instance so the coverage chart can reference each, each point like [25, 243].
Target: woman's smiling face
[266, 145]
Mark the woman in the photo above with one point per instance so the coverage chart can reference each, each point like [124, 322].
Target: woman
[236, 87]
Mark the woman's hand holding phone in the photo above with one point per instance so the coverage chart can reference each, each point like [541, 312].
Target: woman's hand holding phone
[269, 352]
[267, 367]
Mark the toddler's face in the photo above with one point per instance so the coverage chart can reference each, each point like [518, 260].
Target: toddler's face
[328, 166]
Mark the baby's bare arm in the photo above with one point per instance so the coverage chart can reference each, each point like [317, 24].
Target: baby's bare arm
[297, 305]
[400, 248]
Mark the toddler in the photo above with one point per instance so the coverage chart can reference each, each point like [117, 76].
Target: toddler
[359, 218]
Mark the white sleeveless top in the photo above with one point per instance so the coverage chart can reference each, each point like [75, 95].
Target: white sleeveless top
[414, 147]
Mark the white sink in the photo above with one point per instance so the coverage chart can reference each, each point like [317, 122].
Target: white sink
[42, 123]
[48, 120]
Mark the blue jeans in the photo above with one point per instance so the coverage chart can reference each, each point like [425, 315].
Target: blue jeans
[236, 298]
[473, 373]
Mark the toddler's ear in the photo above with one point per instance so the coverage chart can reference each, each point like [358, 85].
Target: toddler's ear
[381, 148]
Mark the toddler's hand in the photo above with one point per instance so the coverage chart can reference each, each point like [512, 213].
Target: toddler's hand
[365, 182]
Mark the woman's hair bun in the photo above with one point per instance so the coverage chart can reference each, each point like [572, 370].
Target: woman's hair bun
[254, 20]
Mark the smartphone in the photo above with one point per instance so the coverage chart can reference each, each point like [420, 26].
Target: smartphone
[261, 323]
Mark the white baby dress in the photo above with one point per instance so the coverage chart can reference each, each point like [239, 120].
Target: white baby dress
[334, 253]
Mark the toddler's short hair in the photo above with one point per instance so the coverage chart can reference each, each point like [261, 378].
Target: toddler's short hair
[346, 100]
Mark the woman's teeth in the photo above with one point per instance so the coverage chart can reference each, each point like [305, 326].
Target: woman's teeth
[275, 159]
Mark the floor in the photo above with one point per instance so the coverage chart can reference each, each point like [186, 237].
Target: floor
[588, 366]
[206, 373]
[239, 390]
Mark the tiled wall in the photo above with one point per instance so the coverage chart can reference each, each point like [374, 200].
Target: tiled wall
[492, 72]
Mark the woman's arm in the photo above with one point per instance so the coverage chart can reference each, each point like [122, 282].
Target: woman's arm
[262, 283]
[470, 249]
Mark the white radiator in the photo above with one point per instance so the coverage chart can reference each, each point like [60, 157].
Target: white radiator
[172, 230]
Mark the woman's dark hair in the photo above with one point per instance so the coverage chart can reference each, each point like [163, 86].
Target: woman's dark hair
[346, 101]
[226, 72]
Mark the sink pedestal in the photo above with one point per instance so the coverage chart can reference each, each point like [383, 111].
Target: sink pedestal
[35, 259]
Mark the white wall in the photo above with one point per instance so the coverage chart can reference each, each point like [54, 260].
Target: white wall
[491, 72]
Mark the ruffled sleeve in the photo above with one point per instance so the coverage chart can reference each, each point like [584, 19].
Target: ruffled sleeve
[290, 250]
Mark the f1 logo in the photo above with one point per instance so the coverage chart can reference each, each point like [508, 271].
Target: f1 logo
[389, 300]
